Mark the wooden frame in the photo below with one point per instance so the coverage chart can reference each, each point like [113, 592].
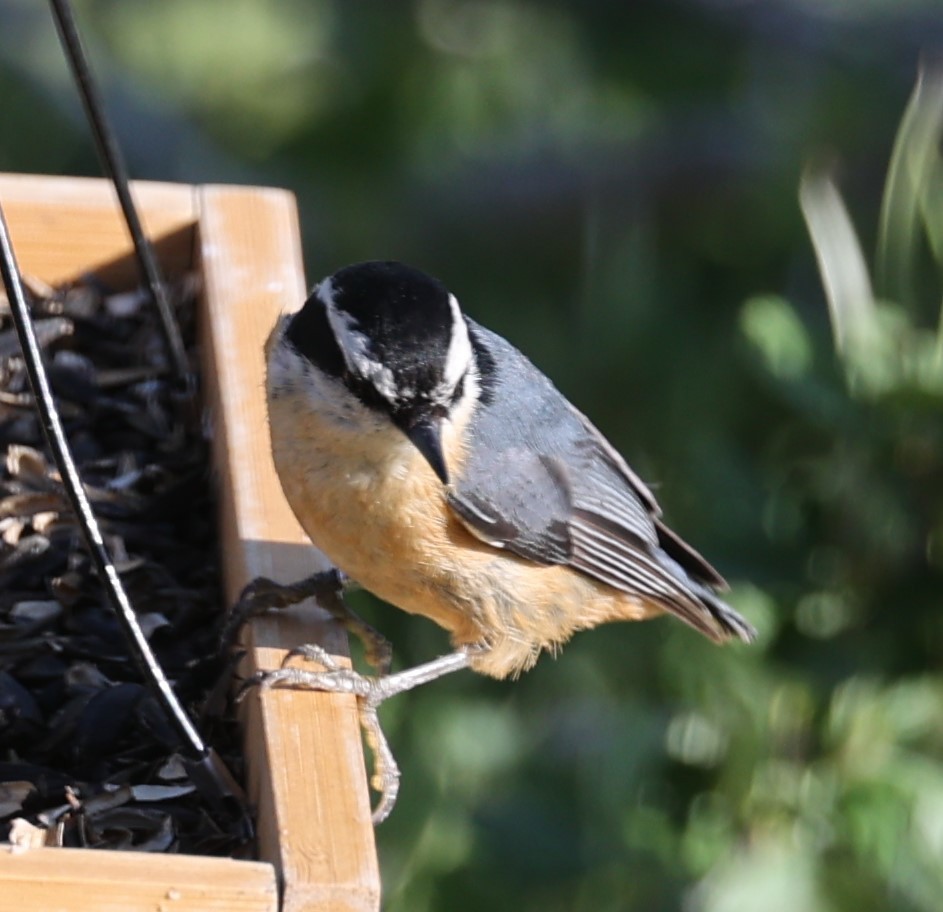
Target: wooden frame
[304, 750]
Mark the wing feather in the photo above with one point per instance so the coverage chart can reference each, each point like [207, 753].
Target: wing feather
[544, 483]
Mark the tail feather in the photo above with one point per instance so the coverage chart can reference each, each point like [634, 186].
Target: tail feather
[722, 622]
[729, 621]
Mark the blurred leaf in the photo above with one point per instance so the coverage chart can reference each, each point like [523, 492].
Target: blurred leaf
[785, 875]
[851, 304]
[912, 192]
[773, 327]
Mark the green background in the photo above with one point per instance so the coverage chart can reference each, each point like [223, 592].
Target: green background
[614, 187]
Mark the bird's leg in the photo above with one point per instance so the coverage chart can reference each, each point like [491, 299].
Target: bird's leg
[370, 693]
[327, 588]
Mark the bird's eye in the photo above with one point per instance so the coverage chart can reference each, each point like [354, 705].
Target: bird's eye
[365, 391]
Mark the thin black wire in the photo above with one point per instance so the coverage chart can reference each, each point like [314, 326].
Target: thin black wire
[55, 437]
[113, 163]
[204, 766]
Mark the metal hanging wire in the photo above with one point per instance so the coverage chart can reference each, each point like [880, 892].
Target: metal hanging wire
[58, 444]
[205, 767]
[113, 163]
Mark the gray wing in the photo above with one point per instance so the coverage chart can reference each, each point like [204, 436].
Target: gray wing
[542, 482]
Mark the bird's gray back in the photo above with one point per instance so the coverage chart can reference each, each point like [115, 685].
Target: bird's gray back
[540, 480]
[533, 459]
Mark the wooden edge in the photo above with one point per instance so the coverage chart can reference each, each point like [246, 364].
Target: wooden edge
[303, 749]
[84, 880]
[63, 227]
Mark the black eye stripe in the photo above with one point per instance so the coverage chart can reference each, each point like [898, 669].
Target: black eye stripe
[311, 336]
[459, 389]
[484, 365]
[366, 392]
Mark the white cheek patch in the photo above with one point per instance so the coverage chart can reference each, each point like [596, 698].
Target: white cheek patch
[355, 347]
[459, 357]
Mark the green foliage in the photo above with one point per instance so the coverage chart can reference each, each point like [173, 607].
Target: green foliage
[882, 345]
[613, 187]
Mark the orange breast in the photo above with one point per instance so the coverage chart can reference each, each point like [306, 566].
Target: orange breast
[371, 503]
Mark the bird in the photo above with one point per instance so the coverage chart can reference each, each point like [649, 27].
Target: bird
[438, 468]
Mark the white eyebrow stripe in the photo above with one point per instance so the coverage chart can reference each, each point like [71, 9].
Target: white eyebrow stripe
[459, 356]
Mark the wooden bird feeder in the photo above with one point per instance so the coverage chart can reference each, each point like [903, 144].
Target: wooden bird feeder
[303, 750]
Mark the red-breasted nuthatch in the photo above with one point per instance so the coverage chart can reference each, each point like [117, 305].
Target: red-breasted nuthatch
[440, 470]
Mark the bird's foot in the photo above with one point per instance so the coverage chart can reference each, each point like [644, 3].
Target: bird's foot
[370, 693]
[336, 678]
[327, 588]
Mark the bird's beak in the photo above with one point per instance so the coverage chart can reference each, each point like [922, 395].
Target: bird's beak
[426, 436]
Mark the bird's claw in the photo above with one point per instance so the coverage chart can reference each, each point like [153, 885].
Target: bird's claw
[263, 595]
[369, 692]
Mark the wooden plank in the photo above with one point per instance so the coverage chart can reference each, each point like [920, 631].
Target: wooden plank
[63, 227]
[304, 750]
[84, 880]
